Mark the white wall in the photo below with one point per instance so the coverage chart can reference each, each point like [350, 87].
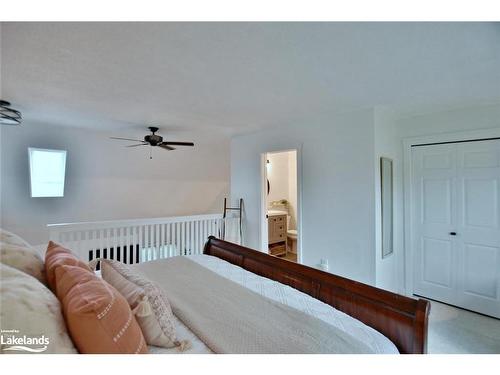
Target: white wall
[337, 175]
[277, 174]
[445, 124]
[105, 180]
[389, 135]
[282, 176]
[341, 183]
[292, 189]
[389, 270]
[463, 119]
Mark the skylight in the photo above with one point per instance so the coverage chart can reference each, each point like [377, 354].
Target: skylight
[47, 171]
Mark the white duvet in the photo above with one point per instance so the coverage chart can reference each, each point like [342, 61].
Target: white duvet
[287, 296]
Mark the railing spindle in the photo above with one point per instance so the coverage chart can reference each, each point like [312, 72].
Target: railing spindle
[132, 241]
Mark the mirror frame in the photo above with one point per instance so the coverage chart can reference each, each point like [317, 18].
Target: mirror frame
[387, 206]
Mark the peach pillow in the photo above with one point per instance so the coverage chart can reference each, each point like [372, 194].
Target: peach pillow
[56, 256]
[98, 317]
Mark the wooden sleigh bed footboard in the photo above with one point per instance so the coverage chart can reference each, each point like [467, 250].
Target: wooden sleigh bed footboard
[401, 319]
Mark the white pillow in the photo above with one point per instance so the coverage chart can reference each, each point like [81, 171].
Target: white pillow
[30, 312]
[150, 306]
[23, 258]
[11, 238]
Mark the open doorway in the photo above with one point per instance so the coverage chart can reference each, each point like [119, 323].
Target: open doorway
[280, 229]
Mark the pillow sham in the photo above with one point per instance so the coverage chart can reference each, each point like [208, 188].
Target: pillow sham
[28, 308]
[57, 256]
[24, 258]
[98, 317]
[148, 302]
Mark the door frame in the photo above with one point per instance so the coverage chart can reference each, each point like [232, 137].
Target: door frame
[409, 252]
[263, 199]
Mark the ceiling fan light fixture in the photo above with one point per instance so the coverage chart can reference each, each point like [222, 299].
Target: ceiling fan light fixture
[8, 115]
[154, 140]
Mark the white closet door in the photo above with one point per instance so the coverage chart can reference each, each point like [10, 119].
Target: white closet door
[456, 224]
[478, 227]
[435, 262]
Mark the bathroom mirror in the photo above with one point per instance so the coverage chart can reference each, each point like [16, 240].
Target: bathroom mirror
[386, 193]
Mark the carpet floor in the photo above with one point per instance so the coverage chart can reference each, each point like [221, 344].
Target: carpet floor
[457, 331]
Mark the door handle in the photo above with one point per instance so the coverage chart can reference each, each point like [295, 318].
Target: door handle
[453, 233]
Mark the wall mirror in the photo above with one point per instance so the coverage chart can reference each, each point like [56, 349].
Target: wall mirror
[386, 193]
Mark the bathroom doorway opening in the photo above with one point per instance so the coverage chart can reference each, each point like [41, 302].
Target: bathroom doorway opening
[280, 208]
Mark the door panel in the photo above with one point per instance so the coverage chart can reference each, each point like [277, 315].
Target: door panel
[480, 202]
[438, 159]
[436, 201]
[434, 172]
[473, 158]
[436, 262]
[456, 224]
[480, 270]
[478, 210]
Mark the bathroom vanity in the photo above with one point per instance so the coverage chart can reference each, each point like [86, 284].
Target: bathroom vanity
[277, 232]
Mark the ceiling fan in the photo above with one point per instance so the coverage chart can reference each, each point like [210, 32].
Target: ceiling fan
[154, 140]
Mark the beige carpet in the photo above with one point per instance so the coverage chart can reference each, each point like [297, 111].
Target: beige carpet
[453, 330]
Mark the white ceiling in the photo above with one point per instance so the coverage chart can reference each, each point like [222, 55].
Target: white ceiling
[242, 76]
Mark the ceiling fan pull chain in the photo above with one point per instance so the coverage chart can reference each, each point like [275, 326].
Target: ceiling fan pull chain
[150, 153]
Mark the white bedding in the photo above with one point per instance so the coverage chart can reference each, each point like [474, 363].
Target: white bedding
[287, 296]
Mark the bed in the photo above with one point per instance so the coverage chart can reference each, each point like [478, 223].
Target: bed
[386, 322]
[230, 299]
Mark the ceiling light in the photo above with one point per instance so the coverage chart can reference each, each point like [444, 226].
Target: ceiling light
[9, 116]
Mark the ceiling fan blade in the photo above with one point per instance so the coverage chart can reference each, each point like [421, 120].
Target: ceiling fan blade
[163, 145]
[140, 144]
[127, 139]
[178, 143]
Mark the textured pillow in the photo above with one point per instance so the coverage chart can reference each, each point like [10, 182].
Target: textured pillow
[23, 258]
[98, 317]
[56, 256]
[29, 307]
[11, 238]
[148, 302]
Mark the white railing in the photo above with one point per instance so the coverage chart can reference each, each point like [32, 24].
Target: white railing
[134, 241]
